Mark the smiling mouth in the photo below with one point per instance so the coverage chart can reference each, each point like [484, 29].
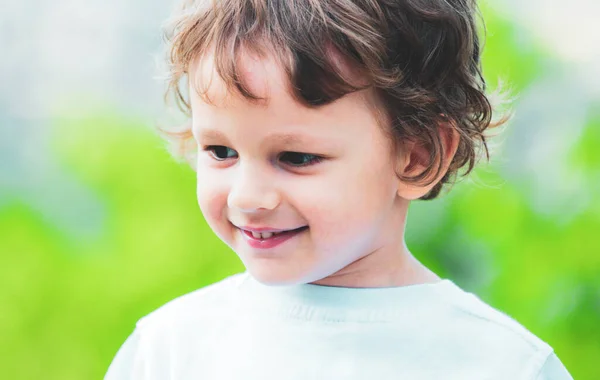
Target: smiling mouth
[270, 235]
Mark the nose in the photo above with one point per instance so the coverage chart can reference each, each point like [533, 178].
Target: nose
[252, 190]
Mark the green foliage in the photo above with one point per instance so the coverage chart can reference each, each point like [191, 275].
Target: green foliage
[509, 55]
[586, 155]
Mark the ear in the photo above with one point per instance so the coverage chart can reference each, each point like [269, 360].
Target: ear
[414, 160]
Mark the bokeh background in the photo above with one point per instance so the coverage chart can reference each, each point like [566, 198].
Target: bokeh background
[99, 225]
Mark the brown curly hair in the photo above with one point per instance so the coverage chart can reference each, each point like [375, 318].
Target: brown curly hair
[421, 58]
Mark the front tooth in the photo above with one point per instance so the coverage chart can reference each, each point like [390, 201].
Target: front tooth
[266, 235]
[256, 234]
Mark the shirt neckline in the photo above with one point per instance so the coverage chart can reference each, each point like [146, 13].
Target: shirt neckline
[311, 301]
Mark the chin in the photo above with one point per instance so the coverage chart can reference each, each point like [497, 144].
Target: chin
[268, 275]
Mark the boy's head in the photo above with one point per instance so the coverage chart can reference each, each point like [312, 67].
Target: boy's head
[326, 117]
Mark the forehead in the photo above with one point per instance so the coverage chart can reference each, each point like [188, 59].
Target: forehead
[265, 71]
[222, 107]
[262, 75]
[265, 77]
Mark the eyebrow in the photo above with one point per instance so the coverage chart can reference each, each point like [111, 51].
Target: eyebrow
[285, 139]
[211, 134]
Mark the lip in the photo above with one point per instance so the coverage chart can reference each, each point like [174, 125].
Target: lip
[270, 242]
[263, 229]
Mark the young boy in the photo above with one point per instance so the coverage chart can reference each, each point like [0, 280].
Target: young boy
[315, 123]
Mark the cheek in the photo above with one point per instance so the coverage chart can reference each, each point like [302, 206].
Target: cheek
[211, 196]
[350, 205]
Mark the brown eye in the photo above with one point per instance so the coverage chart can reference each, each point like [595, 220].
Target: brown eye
[220, 153]
[299, 159]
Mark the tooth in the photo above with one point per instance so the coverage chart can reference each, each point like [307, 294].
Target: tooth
[256, 234]
[266, 235]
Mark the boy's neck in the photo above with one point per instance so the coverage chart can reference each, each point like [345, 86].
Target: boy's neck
[402, 269]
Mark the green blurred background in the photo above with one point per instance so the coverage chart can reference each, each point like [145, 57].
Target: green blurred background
[99, 225]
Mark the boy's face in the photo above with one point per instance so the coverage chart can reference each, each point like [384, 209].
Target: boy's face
[283, 166]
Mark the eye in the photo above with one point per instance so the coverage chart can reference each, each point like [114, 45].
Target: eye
[300, 159]
[220, 153]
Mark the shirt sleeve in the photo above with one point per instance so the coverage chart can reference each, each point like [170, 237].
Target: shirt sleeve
[125, 365]
[553, 369]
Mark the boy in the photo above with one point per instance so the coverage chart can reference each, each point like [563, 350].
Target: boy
[315, 123]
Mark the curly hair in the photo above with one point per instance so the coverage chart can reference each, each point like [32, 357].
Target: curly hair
[420, 58]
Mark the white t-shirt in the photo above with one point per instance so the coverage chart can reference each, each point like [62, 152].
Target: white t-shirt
[239, 328]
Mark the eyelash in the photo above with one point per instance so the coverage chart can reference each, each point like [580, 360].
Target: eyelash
[314, 159]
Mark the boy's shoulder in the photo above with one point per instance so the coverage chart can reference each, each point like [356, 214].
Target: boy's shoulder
[469, 316]
[209, 301]
[469, 331]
